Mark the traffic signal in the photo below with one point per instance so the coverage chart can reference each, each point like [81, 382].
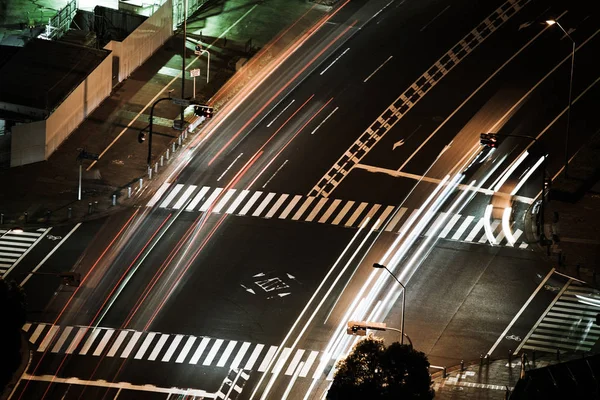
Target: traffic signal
[356, 328]
[204, 111]
[488, 139]
[141, 137]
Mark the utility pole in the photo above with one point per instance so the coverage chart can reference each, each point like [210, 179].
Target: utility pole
[183, 57]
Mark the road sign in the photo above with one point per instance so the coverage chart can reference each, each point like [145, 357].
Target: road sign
[181, 102]
[195, 72]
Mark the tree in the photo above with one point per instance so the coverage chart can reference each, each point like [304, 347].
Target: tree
[13, 316]
[374, 371]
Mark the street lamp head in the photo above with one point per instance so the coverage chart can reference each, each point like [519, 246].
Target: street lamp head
[375, 265]
[551, 21]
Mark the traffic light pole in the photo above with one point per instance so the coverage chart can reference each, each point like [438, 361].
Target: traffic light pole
[150, 129]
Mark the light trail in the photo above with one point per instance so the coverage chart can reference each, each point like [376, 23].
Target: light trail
[487, 227]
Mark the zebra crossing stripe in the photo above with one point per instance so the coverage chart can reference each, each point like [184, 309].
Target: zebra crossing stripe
[48, 338]
[90, 341]
[292, 366]
[210, 199]
[449, 226]
[290, 206]
[276, 206]
[267, 359]
[240, 355]
[356, 214]
[476, 229]
[76, 340]
[308, 363]
[107, 335]
[224, 200]
[303, 208]
[435, 224]
[250, 203]
[159, 193]
[343, 213]
[61, 340]
[316, 209]
[253, 357]
[329, 211]
[285, 354]
[263, 205]
[188, 192]
[157, 348]
[132, 342]
[463, 227]
[115, 347]
[213, 352]
[186, 349]
[172, 348]
[36, 334]
[197, 199]
[144, 347]
[225, 356]
[391, 226]
[370, 214]
[199, 351]
[237, 202]
[171, 195]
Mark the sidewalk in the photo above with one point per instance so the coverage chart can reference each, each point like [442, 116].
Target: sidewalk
[486, 381]
[46, 193]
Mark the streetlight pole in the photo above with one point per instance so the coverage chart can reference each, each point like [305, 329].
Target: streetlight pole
[375, 265]
[555, 22]
[185, 5]
[150, 128]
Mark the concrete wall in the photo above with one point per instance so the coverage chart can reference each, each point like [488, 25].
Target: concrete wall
[36, 141]
[143, 42]
[28, 144]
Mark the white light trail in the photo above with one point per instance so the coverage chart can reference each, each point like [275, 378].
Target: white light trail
[510, 170]
[527, 175]
[487, 227]
[506, 226]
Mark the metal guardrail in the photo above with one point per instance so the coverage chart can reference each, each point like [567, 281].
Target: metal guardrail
[60, 23]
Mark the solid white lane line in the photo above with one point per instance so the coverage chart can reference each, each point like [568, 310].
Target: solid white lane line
[391, 226]
[181, 201]
[449, 226]
[88, 343]
[370, 214]
[281, 112]
[204, 207]
[76, 340]
[316, 209]
[250, 203]
[334, 61]
[377, 69]
[463, 227]
[343, 212]
[197, 199]
[292, 366]
[144, 347]
[267, 359]
[263, 204]
[223, 201]
[329, 211]
[186, 349]
[276, 206]
[171, 195]
[226, 353]
[255, 353]
[213, 352]
[61, 340]
[161, 190]
[49, 254]
[356, 214]
[309, 362]
[434, 18]
[199, 350]
[172, 348]
[303, 208]
[240, 355]
[103, 342]
[476, 229]
[290, 207]
[237, 202]
[132, 342]
[37, 333]
[322, 122]
[117, 344]
[435, 224]
[503, 334]
[158, 347]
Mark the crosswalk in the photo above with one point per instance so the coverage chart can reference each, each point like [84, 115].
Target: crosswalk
[569, 322]
[14, 245]
[171, 348]
[346, 213]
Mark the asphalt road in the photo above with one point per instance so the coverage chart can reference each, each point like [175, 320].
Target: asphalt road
[183, 299]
